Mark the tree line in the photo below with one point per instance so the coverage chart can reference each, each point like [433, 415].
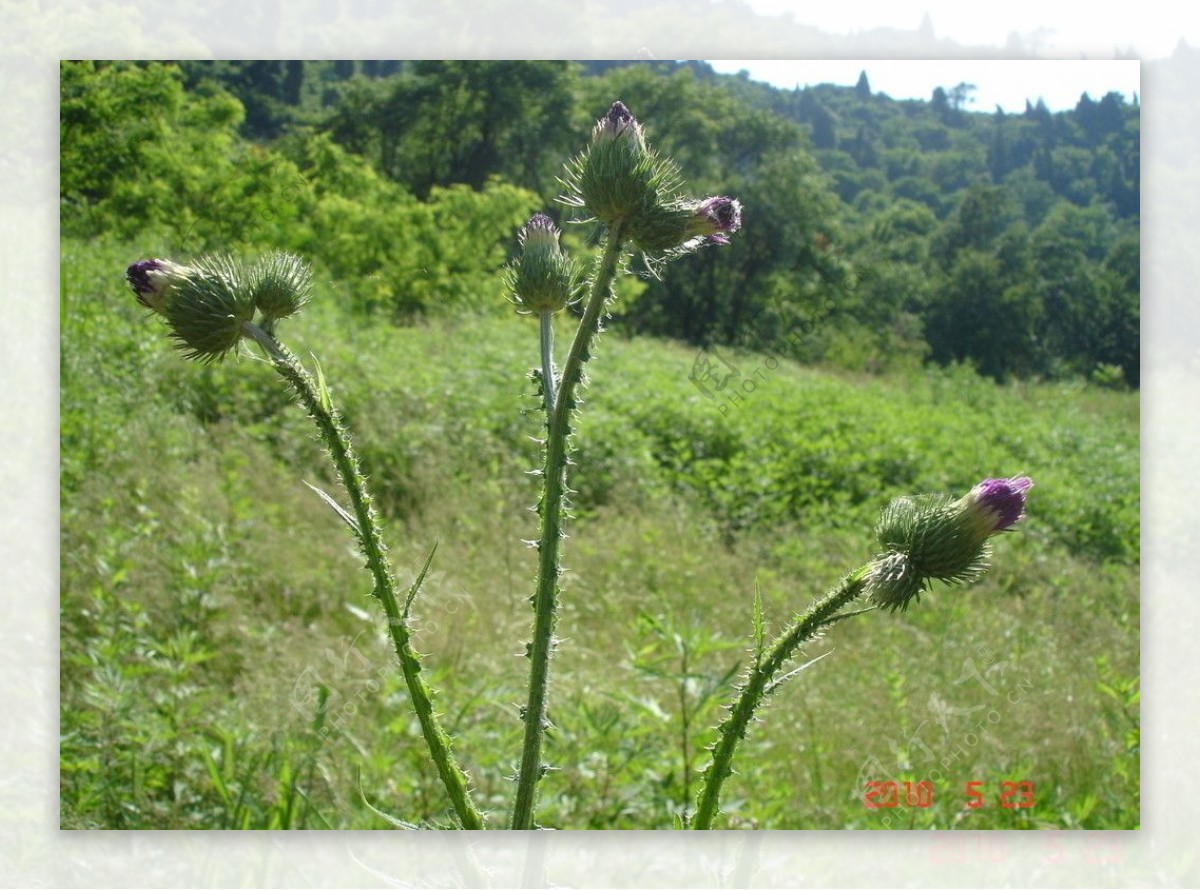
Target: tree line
[915, 230]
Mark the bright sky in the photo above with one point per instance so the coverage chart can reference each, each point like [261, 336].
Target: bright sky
[1004, 83]
[1149, 29]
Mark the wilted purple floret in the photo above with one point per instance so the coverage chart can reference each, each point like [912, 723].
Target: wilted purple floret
[138, 276]
[154, 280]
[618, 122]
[723, 214]
[1004, 499]
[618, 116]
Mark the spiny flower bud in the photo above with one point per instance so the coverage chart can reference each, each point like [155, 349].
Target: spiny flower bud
[997, 505]
[153, 281]
[679, 228]
[618, 177]
[280, 284]
[936, 538]
[543, 278]
[620, 124]
[717, 217]
[208, 307]
[208, 303]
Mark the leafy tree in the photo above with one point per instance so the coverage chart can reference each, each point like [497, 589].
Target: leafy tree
[977, 318]
[454, 241]
[293, 82]
[822, 122]
[777, 278]
[919, 188]
[862, 148]
[1120, 332]
[862, 89]
[269, 91]
[138, 152]
[960, 95]
[982, 214]
[463, 122]
[110, 114]
[998, 157]
[939, 102]
[932, 136]
[1066, 285]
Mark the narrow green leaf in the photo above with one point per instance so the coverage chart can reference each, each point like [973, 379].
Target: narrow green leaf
[218, 781]
[318, 720]
[416, 585]
[771, 687]
[387, 817]
[322, 388]
[337, 508]
[760, 624]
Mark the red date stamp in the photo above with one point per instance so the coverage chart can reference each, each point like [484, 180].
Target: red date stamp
[889, 795]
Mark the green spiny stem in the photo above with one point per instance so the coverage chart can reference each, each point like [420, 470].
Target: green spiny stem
[336, 439]
[733, 728]
[545, 602]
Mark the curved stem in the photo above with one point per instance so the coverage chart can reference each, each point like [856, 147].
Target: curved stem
[545, 601]
[733, 729]
[316, 401]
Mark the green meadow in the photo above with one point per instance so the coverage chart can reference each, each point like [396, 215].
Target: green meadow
[224, 667]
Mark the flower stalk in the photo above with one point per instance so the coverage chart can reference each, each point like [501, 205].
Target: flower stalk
[316, 401]
[925, 539]
[633, 194]
[545, 600]
[759, 683]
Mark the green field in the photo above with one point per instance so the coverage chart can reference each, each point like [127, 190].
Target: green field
[223, 666]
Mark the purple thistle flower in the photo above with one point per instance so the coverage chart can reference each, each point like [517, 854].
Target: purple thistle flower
[932, 538]
[716, 217]
[998, 504]
[138, 276]
[152, 281]
[618, 123]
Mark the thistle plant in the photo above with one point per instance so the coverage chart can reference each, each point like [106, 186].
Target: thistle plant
[636, 200]
[212, 305]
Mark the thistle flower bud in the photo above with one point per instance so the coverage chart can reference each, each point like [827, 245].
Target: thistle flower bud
[543, 278]
[208, 303]
[934, 538]
[996, 505]
[684, 226]
[280, 284]
[208, 308]
[715, 218]
[619, 124]
[618, 177]
[153, 281]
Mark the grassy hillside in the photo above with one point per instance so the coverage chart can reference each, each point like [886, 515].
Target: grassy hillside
[223, 665]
